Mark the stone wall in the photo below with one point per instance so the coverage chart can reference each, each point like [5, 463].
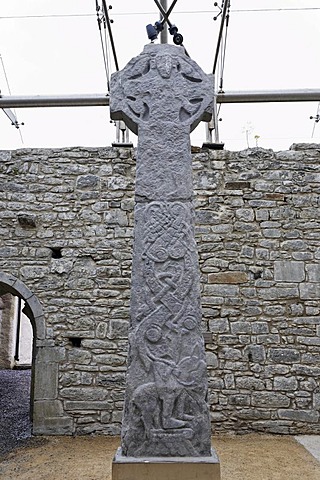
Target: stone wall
[66, 233]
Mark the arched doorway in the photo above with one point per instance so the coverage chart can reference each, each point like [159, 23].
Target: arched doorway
[46, 409]
[21, 321]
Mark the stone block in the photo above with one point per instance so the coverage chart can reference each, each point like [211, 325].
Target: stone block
[240, 327]
[212, 359]
[274, 293]
[268, 339]
[310, 291]
[88, 405]
[43, 409]
[46, 381]
[312, 320]
[289, 271]
[118, 329]
[87, 394]
[260, 327]
[101, 330]
[316, 401]
[239, 400]
[88, 182]
[110, 359]
[313, 271]
[249, 383]
[54, 426]
[245, 214]
[78, 356]
[231, 353]
[116, 416]
[293, 245]
[269, 400]
[255, 353]
[219, 325]
[308, 416]
[284, 355]
[168, 468]
[50, 354]
[285, 383]
[222, 290]
[308, 340]
[228, 277]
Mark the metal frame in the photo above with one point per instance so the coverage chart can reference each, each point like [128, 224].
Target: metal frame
[103, 99]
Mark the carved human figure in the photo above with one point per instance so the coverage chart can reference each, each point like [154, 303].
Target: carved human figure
[162, 95]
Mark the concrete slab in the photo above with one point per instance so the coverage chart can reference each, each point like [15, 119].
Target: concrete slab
[311, 443]
[166, 468]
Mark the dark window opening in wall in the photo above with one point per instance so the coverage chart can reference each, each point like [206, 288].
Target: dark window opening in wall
[75, 341]
[56, 252]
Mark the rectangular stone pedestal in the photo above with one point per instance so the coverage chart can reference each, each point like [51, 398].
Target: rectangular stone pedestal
[165, 468]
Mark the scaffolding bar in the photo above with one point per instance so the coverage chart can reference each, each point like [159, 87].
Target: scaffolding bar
[103, 99]
[259, 96]
[23, 101]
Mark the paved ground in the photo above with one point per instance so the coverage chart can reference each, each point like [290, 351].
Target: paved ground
[246, 457]
[15, 426]
[311, 443]
[250, 457]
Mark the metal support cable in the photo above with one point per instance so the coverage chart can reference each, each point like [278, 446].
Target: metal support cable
[164, 14]
[5, 74]
[223, 52]
[316, 119]
[166, 18]
[106, 13]
[105, 60]
[171, 8]
[226, 5]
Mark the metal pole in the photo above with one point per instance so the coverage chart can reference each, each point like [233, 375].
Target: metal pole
[164, 33]
[23, 101]
[103, 99]
[262, 96]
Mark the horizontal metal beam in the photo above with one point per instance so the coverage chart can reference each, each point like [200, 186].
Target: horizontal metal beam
[103, 99]
[23, 101]
[305, 95]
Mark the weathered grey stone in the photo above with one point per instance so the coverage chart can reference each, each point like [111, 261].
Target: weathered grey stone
[284, 355]
[269, 400]
[289, 271]
[88, 182]
[250, 383]
[46, 382]
[285, 383]
[299, 415]
[164, 94]
[86, 309]
[255, 353]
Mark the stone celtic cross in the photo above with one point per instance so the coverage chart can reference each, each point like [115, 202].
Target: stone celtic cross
[162, 95]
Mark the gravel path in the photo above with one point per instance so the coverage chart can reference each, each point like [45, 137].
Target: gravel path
[15, 425]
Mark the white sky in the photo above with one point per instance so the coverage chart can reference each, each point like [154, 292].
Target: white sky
[62, 55]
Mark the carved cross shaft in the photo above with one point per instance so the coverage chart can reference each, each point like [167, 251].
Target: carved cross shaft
[162, 95]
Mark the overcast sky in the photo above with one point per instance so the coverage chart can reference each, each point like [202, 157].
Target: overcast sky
[54, 48]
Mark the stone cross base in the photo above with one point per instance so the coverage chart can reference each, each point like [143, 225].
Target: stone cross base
[166, 468]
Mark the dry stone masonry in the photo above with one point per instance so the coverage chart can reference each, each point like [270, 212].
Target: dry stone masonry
[66, 226]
